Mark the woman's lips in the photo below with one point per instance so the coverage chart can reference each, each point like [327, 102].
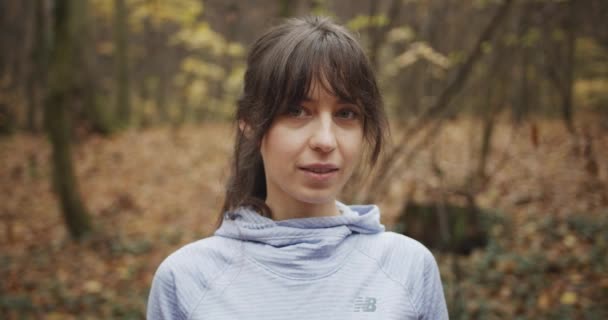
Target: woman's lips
[320, 174]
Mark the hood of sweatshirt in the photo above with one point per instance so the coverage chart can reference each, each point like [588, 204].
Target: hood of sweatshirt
[301, 248]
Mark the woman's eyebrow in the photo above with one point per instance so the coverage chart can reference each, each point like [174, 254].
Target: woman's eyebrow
[339, 101]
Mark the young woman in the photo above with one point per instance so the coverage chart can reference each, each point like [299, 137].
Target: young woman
[286, 248]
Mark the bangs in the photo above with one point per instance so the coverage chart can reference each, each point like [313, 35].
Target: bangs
[326, 59]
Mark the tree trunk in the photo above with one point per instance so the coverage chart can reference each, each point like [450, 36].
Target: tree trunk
[123, 105]
[570, 29]
[62, 87]
[38, 72]
[161, 94]
[378, 33]
[12, 35]
[286, 8]
[522, 103]
[96, 115]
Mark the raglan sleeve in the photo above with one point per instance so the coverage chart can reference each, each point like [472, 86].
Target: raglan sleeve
[431, 300]
[163, 302]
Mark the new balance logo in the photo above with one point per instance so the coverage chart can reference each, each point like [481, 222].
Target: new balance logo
[365, 304]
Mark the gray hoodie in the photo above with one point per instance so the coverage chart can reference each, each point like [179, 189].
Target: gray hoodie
[336, 267]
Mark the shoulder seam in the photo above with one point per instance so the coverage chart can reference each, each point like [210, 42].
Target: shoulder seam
[208, 286]
[402, 285]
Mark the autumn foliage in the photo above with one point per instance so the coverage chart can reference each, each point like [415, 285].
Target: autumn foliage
[153, 191]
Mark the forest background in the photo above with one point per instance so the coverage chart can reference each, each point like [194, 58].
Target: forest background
[115, 136]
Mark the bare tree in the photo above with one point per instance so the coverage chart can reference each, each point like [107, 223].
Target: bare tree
[123, 104]
[63, 89]
[455, 84]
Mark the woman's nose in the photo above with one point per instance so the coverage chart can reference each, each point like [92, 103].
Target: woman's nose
[323, 137]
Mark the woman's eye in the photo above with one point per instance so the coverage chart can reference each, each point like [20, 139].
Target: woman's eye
[295, 111]
[347, 114]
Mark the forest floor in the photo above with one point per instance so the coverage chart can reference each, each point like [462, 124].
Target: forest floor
[150, 192]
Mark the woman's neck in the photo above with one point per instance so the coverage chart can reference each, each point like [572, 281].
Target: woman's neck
[295, 209]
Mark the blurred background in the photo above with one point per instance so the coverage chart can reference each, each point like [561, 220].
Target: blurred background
[115, 139]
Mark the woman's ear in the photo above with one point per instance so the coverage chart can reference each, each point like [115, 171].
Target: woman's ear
[245, 129]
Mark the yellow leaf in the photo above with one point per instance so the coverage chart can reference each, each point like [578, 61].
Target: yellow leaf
[570, 241]
[92, 286]
[568, 297]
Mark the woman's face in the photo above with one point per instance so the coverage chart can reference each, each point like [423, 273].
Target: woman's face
[310, 152]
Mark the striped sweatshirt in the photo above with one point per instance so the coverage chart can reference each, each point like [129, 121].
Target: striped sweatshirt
[334, 267]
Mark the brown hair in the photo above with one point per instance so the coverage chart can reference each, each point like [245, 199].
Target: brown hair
[281, 66]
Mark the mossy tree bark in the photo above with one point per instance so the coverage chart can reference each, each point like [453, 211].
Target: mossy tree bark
[62, 89]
